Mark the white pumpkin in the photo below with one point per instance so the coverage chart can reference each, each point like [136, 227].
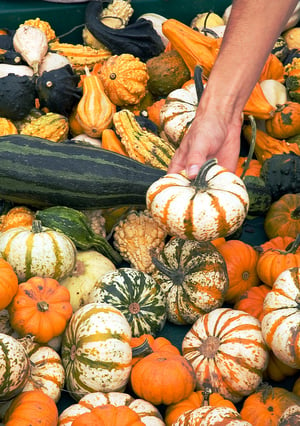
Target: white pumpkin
[96, 351]
[89, 269]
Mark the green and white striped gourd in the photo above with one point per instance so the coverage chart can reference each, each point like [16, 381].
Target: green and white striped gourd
[137, 295]
[96, 351]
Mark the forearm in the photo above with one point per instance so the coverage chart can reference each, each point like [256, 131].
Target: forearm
[252, 30]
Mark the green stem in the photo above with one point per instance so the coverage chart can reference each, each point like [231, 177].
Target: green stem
[252, 146]
[200, 180]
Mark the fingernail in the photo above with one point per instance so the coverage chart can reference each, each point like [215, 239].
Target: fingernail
[193, 170]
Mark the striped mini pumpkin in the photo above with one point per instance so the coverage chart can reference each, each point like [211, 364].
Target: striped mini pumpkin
[212, 205]
[281, 317]
[137, 295]
[96, 352]
[208, 415]
[227, 351]
[14, 367]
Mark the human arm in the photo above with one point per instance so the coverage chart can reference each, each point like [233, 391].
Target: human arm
[251, 31]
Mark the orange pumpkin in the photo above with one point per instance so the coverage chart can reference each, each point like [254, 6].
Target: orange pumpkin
[241, 260]
[8, 283]
[32, 408]
[17, 216]
[283, 217]
[252, 301]
[285, 121]
[266, 405]
[163, 378]
[195, 400]
[109, 415]
[41, 308]
[146, 343]
[274, 261]
[279, 243]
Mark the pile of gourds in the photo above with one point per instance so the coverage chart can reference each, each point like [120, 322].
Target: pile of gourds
[86, 293]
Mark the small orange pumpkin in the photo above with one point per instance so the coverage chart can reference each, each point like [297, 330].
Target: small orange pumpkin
[17, 216]
[41, 308]
[283, 217]
[252, 301]
[109, 415]
[146, 344]
[8, 283]
[32, 408]
[274, 261]
[163, 378]
[253, 169]
[241, 260]
[285, 121]
[267, 404]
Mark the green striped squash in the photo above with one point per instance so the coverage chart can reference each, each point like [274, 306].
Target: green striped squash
[40, 173]
[95, 351]
[137, 295]
[14, 367]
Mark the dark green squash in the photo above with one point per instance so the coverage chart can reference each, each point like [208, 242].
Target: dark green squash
[58, 90]
[138, 38]
[260, 198]
[281, 174]
[75, 225]
[41, 173]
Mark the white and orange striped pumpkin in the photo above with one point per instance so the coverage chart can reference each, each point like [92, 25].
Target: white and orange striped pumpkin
[227, 351]
[147, 412]
[96, 351]
[38, 251]
[212, 205]
[281, 317]
[211, 416]
[14, 367]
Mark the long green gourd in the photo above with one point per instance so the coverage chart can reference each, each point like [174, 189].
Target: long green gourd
[41, 173]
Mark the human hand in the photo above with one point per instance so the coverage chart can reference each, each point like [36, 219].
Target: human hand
[211, 135]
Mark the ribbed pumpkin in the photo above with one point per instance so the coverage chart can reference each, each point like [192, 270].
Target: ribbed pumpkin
[163, 378]
[96, 344]
[266, 405]
[146, 411]
[32, 408]
[46, 373]
[194, 278]
[285, 121]
[195, 400]
[38, 251]
[8, 284]
[227, 351]
[94, 111]
[137, 295]
[281, 314]
[211, 416]
[241, 260]
[252, 300]
[40, 308]
[14, 367]
[124, 78]
[283, 217]
[146, 343]
[212, 205]
[276, 260]
[16, 216]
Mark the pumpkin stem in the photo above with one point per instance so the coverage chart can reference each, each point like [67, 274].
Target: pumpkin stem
[252, 146]
[143, 349]
[200, 180]
[198, 81]
[37, 226]
[42, 306]
[294, 246]
[296, 213]
[176, 275]
[206, 394]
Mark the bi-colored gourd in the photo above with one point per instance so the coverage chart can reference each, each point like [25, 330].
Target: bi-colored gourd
[96, 343]
[212, 205]
[213, 346]
[280, 314]
[212, 415]
[38, 251]
[52, 126]
[193, 276]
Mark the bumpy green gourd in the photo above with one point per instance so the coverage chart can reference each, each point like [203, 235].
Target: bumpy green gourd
[75, 225]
